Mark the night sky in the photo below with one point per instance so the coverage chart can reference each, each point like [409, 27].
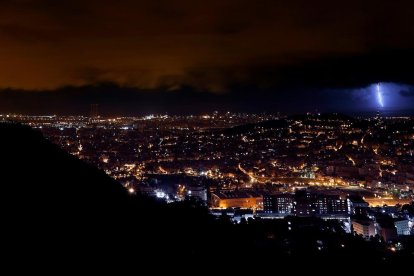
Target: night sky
[136, 57]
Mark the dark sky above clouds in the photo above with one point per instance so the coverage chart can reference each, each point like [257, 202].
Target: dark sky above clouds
[244, 54]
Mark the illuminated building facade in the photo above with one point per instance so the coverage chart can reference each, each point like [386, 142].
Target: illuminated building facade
[304, 203]
[403, 227]
[237, 199]
[365, 228]
[278, 203]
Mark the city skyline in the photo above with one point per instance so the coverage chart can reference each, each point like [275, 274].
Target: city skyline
[329, 166]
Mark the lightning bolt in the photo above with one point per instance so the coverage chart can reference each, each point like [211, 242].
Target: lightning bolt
[379, 96]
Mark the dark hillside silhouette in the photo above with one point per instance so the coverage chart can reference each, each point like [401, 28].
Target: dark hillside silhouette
[55, 202]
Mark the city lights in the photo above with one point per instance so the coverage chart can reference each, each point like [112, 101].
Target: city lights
[216, 156]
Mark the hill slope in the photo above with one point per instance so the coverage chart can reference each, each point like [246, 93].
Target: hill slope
[54, 204]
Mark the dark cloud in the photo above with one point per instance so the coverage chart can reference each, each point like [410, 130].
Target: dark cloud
[201, 55]
[123, 100]
[407, 93]
[207, 44]
[26, 34]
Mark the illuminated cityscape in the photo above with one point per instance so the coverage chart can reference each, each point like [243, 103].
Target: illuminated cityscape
[271, 166]
[207, 136]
